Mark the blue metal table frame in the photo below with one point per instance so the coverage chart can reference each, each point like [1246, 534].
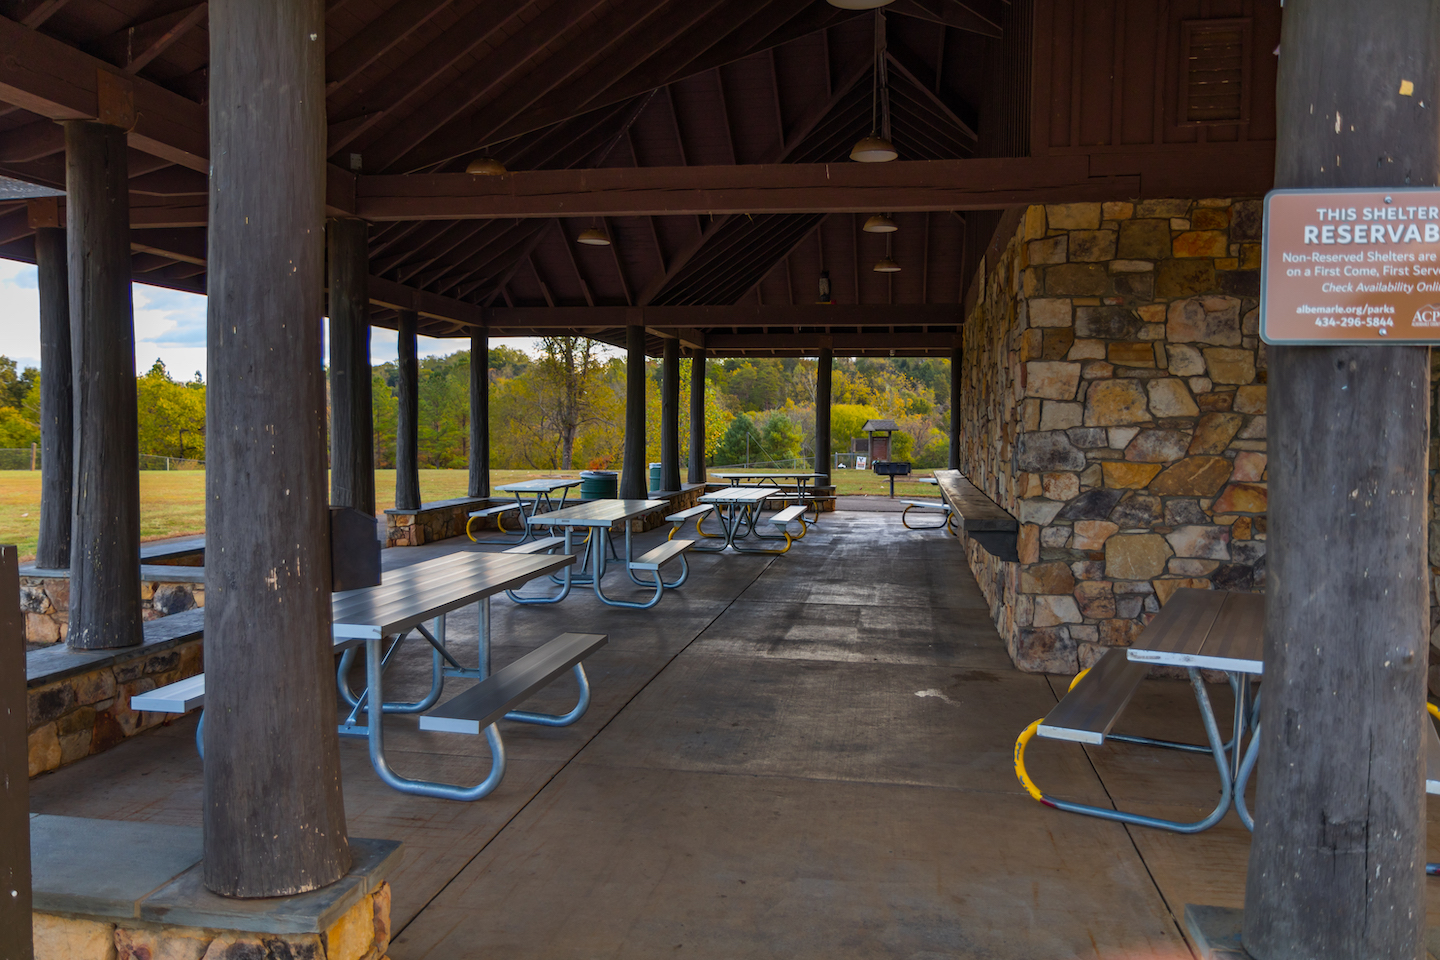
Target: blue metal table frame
[598, 516]
[738, 509]
[541, 491]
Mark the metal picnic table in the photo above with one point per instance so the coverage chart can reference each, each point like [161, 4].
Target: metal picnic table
[540, 491]
[771, 478]
[738, 510]
[598, 516]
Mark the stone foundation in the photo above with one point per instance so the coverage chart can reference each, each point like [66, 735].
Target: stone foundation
[1113, 399]
[439, 520]
[78, 702]
[165, 590]
[86, 908]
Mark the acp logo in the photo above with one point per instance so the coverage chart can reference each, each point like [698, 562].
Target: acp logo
[1427, 316]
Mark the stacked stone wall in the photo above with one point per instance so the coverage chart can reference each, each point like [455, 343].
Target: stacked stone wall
[1113, 400]
[45, 601]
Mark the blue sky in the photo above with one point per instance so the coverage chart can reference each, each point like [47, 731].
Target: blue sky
[169, 326]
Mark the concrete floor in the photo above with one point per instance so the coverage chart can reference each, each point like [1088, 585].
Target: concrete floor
[798, 756]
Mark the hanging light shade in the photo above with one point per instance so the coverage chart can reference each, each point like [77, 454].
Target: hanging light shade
[887, 266]
[873, 150]
[593, 237]
[859, 4]
[486, 167]
[880, 224]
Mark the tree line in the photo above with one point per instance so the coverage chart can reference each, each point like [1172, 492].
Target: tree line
[563, 408]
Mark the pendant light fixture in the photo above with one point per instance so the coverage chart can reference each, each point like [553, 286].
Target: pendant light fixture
[593, 236]
[825, 296]
[486, 167]
[880, 223]
[877, 148]
[887, 265]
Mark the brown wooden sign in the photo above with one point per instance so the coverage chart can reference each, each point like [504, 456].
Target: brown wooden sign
[1351, 266]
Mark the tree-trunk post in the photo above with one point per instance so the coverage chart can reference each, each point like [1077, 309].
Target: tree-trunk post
[670, 416]
[634, 473]
[15, 897]
[1337, 860]
[823, 370]
[407, 427]
[105, 519]
[697, 417]
[480, 415]
[274, 816]
[956, 356]
[57, 436]
[352, 417]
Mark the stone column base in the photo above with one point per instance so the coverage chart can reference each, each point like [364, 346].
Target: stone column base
[1215, 933]
[87, 909]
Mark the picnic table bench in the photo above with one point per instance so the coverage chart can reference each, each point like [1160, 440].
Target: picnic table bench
[598, 516]
[540, 491]
[405, 601]
[1196, 630]
[739, 511]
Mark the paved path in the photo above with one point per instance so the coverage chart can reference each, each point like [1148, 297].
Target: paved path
[798, 756]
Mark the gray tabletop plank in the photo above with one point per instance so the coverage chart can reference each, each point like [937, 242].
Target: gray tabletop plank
[600, 513]
[740, 495]
[435, 589]
[539, 486]
[1194, 629]
[1238, 634]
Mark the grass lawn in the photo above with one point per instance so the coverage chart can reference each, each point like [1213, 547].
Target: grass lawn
[172, 503]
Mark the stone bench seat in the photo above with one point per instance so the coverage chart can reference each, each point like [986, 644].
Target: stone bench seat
[978, 517]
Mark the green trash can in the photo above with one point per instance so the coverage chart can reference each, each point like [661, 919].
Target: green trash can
[655, 477]
[598, 484]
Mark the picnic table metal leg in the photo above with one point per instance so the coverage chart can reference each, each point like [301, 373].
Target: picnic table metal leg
[565, 580]
[1217, 750]
[600, 573]
[422, 788]
[559, 719]
[357, 702]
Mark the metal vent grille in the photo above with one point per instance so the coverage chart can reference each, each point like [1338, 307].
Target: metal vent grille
[1216, 60]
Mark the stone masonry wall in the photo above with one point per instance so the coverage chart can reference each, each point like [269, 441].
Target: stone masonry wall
[1113, 400]
[361, 933]
[90, 712]
[45, 601]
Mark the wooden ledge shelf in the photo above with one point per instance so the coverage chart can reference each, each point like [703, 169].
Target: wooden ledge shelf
[982, 519]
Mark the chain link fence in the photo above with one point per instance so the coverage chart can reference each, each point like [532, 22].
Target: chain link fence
[28, 458]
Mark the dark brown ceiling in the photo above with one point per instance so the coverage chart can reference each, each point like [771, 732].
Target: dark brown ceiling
[427, 85]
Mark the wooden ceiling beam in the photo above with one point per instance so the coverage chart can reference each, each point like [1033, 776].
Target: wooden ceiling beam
[42, 138]
[53, 79]
[655, 66]
[908, 65]
[385, 149]
[32, 13]
[397, 87]
[631, 39]
[839, 342]
[739, 316]
[132, 48]
[950, 13]
[377, 38]
[974, 184]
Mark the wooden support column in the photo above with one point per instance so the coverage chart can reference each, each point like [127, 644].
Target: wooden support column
[823, 371]
[670, 416]
[407, 428]
[57, 430]
[274, 815]
[956, 356]
[15, 898]
[697, 417]
[352, 418]
[1337, 861]
[480, 415]
[634, 473]
[105, 523]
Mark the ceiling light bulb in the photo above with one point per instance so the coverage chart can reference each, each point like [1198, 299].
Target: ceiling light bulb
[887, 266]
[859, 4]
[873, 150]
[486, 167]
[880, 224]
[593, 237]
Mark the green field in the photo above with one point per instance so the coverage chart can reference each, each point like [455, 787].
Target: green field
[172, 504]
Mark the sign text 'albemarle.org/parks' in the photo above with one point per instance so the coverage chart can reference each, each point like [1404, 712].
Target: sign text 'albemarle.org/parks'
[1351, 266]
